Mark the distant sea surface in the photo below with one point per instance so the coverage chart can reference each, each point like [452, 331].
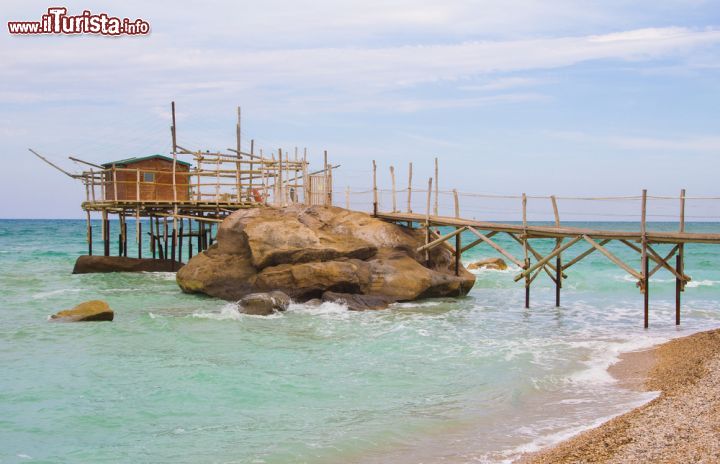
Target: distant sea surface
[185, 379]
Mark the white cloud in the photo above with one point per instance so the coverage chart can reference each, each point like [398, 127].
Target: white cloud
[152, 71]
[650, 144]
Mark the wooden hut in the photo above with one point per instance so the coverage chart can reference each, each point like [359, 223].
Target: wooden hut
[150, 178]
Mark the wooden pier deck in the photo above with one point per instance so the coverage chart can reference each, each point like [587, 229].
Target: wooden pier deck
[532, 263]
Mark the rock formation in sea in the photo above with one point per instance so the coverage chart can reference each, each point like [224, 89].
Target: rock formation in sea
[94, 310]
[91, 264]
[497, 264]
[322, 252]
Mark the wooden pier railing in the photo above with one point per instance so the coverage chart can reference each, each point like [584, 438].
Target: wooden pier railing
[532, 263]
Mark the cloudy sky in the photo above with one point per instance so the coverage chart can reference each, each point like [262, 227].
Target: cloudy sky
[553, 96]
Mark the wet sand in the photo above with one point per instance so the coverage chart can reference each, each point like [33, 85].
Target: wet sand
[681, 425]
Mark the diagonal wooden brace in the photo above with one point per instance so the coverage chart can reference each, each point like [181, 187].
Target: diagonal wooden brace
[547, 258]
[497, 247]
[440, 240]
[538, 256]
[478, 241]
[583, 255]
[613, 258]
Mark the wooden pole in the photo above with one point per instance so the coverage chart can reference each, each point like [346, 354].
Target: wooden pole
[252, 168]
[180, 239]
[458, 240]
[89, 234]
[558, 260]
[680, 261]
[104, 232]
[427, 219]
[326, 178]
[375, 192]
[190, 244]
[392, 180]
[152, 238]
[525, 251]
[174, 236]
[174, 153]
[115, 189]
[237, 164]
[306, 180]
[347, 197]
[437, 189]
[644, 261]
[165, 237]
[140, 241]
[409, 200]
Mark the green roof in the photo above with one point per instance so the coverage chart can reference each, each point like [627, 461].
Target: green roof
[127, 161]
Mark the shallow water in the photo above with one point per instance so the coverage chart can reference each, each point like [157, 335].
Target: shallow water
[184, 378]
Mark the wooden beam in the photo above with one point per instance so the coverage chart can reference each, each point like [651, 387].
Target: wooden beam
[440, 240]
[546, 259]
[497, 247]
[613, 258]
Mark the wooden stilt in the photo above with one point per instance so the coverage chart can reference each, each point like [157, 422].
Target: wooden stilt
[375, 192]
[165, 237]
[427, 219]
[558, 260]
[140, 239]
[526, 265]
[437, 189]
[152, 239]
[190, 243]
[680, 261]
[89, 234]
[180, 239]
[409, 198]
[125, 235]
[392, 181]
[106, 233]
[458, 253]
[645, 285]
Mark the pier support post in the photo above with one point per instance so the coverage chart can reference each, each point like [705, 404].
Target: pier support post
[558, 280]
[190, 247]
[106, 233]
[152, 239]
[89, 234]
[680, 261]
[678, 286]
[140, 239]
[180, 239]
[525, 250]
[458, 253]
[644, 261]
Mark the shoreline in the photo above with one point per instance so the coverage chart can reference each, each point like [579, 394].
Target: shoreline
[680, 425]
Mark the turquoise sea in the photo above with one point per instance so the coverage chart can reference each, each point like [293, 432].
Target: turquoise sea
[185, 379]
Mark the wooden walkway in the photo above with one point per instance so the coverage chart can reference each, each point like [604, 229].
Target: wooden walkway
[532, 263]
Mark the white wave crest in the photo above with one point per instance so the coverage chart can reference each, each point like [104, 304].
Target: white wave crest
[702, 283]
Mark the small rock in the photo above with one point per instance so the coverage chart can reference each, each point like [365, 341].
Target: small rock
[357, 302]
[263, 304]
[94, 310]
[489, 263]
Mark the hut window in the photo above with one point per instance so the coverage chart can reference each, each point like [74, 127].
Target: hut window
[148, 177]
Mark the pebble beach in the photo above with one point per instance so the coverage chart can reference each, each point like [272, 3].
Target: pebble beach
[681, 425]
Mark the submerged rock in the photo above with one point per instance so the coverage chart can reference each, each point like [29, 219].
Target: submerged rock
[90, 264]
[489, 263]
[308, 251]
[94, 310]
[263, 304]
[356, 302]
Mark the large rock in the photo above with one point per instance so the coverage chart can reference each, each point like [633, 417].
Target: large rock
[356, 302]
[263, 304]
[497, 264]
[94, 310]
[90, 264]
[308, 251]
